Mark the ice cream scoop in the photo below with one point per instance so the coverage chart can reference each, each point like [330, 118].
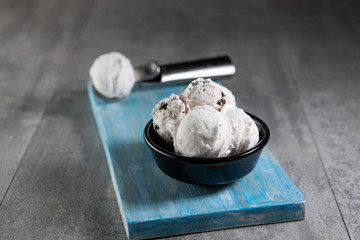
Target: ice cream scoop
[244, 130]
[166, 113]
[113, 76]
[203, 132]
[206, 92]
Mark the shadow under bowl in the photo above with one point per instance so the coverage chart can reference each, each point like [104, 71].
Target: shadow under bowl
[205, 171]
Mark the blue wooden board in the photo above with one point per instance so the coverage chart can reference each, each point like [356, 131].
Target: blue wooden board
[155, 205]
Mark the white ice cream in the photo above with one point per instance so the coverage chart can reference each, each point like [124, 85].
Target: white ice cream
[112, 75]
[203, 132]
[204, 122]
[201, 92]
[244, 130]
[165, 114]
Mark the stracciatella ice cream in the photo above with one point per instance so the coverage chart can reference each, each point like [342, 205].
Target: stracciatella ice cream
[205, 92]
[112, 75]
[203, 132]
[204, 122]
[244, 130]
[166, 113]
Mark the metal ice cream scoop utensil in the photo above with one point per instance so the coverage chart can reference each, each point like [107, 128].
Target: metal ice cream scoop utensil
[112, 84]
[216, 67]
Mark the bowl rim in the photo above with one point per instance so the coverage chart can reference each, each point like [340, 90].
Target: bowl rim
[213, 161]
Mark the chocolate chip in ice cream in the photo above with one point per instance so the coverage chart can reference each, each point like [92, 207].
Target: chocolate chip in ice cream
[205, 92]
[167, 112]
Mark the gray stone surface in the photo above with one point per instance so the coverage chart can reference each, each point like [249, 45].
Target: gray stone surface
[297, 69]
[34, 37]
[323, 62]
[63, 189]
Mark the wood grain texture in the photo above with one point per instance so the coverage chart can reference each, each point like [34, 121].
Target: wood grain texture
[154, 205]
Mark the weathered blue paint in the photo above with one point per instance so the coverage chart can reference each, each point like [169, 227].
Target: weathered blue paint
[155, 205]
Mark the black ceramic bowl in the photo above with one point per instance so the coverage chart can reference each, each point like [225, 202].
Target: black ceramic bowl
[205, 171]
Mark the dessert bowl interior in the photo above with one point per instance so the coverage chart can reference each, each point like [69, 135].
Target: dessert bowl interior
[205, 171]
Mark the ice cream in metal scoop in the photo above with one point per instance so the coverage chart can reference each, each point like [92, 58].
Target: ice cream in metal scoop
[113, 76]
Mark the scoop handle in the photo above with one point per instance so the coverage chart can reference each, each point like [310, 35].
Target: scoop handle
[217, 67]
